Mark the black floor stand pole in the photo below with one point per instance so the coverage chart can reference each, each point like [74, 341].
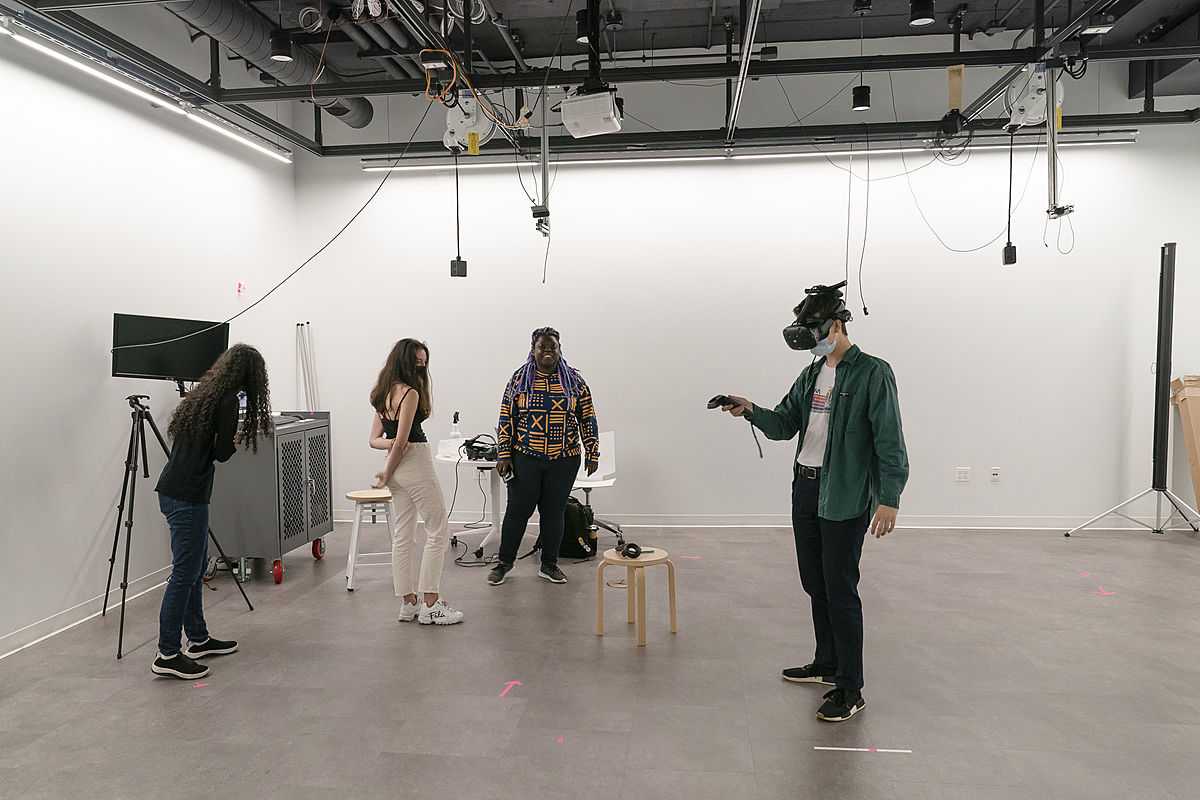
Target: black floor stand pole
[1162, 411]
[137, 443]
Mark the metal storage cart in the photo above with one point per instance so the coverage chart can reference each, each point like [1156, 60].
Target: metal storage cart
[269, 503]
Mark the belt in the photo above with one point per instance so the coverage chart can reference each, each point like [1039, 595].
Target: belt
[812, 473]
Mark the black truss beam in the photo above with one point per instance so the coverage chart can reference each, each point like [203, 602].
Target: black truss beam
[534, 78]
[635, 144]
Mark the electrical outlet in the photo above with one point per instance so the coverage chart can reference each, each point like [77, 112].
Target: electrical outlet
[995, 476]
[962, 474]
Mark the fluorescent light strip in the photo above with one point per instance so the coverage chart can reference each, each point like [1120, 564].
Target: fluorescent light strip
[377, 167]
[198, 117]
[161, 101]
[172, 104]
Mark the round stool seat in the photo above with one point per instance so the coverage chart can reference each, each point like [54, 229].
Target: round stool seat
[614, 556]
[369, 495]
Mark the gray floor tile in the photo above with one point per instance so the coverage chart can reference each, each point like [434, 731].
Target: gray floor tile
[987, 654]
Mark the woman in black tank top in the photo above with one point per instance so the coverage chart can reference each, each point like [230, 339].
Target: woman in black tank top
[401, 399]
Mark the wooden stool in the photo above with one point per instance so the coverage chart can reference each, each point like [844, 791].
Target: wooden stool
[636, 577]
[366, 501]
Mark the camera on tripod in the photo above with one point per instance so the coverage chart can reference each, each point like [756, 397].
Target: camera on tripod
[475, 449]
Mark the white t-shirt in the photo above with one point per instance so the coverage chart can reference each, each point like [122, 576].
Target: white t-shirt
[812, 454]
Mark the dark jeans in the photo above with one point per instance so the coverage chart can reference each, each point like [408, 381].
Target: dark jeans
[544, 485]
[828, 552]
[181, 603]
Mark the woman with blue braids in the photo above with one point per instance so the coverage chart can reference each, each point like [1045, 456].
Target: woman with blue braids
[546, 410]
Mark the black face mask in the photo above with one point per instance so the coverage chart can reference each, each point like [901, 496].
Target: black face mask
[421, 368]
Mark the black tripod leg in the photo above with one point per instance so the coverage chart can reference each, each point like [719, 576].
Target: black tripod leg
[139, 439]
[129, 469]
[232, 571]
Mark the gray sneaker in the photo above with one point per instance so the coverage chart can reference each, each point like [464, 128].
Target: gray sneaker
[552, 573]
[496, 576]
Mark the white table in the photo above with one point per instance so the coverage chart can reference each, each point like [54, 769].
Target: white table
[499, 498]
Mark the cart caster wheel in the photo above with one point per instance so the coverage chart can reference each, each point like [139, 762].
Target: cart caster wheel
[278, 567]
[479, 553]
[318, 549]
[210, 569]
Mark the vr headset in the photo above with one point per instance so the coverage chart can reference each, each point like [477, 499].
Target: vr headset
[476, 449]
[813, 318]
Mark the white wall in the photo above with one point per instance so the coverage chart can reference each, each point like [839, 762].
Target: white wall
[670, 284]
[107, 206]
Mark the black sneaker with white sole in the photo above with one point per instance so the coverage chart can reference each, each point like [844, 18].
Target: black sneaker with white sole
[840, 704]
[552, 573]
[177, 666]
[209, 647]
[810, 673]
[496, 576]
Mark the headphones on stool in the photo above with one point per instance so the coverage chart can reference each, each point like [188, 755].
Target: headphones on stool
[631, 550]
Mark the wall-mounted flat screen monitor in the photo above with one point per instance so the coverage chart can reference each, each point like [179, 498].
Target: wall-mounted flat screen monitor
[189, 347]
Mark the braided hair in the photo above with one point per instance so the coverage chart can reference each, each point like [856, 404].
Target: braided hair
[568, 378]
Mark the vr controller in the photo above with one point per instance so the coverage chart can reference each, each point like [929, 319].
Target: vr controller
[721, 400]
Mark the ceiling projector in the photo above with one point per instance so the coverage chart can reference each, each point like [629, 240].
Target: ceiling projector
[593, 113]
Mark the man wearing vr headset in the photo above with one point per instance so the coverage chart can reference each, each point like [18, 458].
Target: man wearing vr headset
[851, 466]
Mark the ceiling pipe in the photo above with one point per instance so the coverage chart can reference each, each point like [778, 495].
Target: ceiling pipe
[384, 41]
[502, 29]
[749, 28]
[365, 42]
[247, 34]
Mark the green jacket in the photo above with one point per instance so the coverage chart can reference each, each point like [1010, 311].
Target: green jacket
[866, 463]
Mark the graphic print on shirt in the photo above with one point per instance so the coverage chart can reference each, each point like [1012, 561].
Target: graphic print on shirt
[812, 451]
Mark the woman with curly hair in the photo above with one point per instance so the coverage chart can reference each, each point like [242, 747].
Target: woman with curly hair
[205, 428]
[546, 410]
[402, 401]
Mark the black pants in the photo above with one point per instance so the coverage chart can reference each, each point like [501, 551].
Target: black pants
[544, 485]
[828, 553]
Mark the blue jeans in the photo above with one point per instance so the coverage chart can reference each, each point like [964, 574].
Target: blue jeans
[542, 484]
[828, 552]
[182, 601]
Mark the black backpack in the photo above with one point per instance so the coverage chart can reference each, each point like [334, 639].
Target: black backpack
[579, 533]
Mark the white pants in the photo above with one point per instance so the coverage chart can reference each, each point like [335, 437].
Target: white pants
[415, 489]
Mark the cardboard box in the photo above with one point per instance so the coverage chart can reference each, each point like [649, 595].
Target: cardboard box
[1187, 396]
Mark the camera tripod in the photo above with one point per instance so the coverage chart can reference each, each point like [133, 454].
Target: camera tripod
[137, 444]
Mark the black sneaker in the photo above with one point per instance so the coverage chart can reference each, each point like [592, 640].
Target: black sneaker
[209, 647]
[809, 673]
[840, 704]
[552, 573]
[177, 666]
[496, 576]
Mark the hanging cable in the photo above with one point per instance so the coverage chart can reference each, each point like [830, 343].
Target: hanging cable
[457, 223]
[862, 254]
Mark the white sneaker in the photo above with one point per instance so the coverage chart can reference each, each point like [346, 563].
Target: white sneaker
[409, 611]
[439, 614]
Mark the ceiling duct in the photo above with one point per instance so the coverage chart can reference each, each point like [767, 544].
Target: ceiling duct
[247, 34]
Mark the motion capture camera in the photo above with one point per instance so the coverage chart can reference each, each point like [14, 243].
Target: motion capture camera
[812, 325]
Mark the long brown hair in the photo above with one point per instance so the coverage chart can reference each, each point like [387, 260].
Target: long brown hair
[239, 369]
[401, 367]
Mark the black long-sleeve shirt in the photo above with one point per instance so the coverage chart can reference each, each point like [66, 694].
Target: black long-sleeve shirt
[188, 474]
